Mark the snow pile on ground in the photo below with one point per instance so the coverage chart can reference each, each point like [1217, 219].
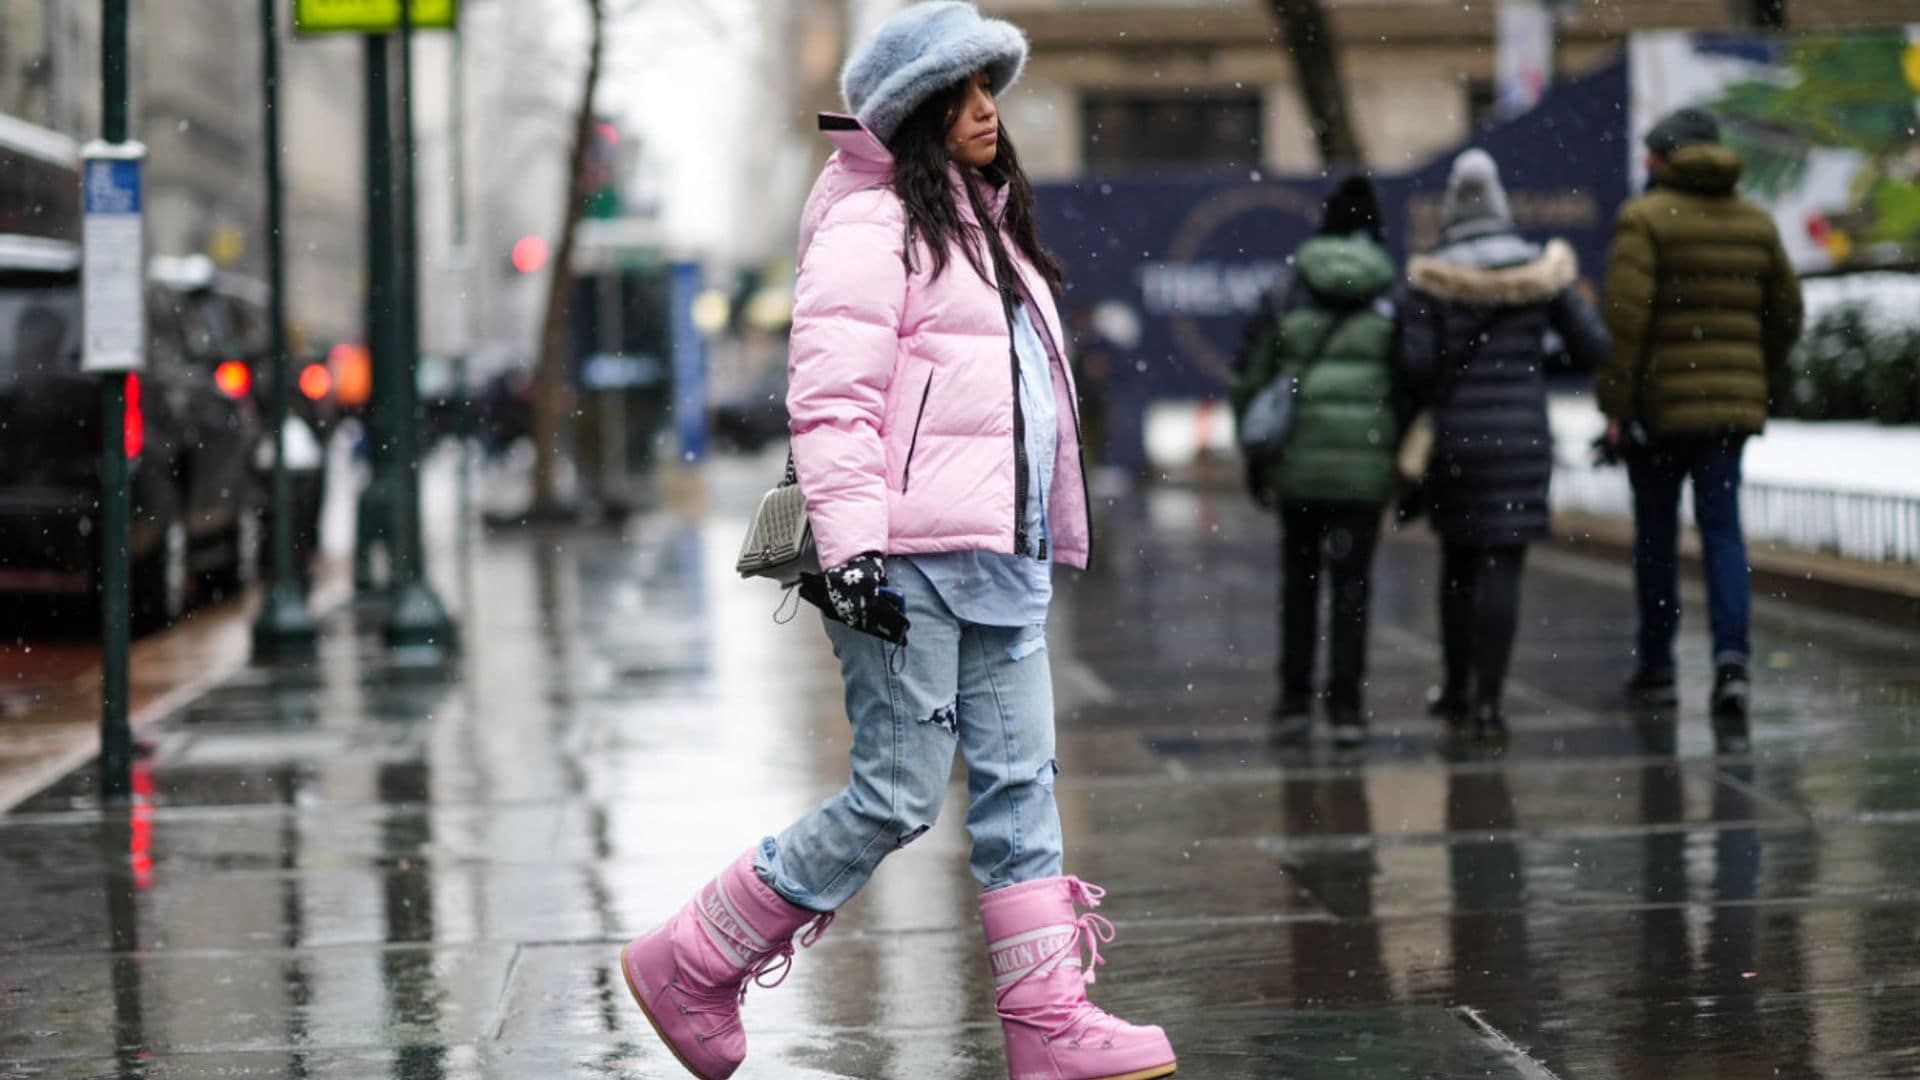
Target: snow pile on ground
[1891, 299]
[1856, 457]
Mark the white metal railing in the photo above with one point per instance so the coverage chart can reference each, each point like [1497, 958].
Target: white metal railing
[1870, 527]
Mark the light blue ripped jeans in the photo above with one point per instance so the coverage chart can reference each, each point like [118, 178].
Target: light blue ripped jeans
[984, 690]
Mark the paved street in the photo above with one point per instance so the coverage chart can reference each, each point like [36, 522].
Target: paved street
[367, 870]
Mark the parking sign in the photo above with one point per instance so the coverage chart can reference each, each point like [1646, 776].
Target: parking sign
[112, 268]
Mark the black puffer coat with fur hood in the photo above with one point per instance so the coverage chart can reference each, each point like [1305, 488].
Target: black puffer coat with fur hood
[1490, 318]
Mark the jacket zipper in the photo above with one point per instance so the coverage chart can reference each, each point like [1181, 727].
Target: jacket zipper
[1020, 538]
[1008, 291]
[1073, 410]
[906, 474]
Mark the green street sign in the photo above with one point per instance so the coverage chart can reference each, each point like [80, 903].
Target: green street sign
[370, 16]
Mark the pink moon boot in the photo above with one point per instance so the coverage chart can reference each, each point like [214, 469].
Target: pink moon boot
[691, 975]
[1034, 940]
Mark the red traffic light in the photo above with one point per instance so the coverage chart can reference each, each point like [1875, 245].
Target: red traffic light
[530, 255]
[234, 378]
[316, 381]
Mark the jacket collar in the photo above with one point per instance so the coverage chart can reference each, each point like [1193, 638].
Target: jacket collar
[1539, 279]
[1471, 228]
[993, 190]
[862, 151]
[1704, 168]
[855, 142]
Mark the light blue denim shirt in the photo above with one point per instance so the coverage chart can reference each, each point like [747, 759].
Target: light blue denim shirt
[1011, 590]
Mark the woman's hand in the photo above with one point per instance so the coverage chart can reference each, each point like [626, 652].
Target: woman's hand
[855, 593]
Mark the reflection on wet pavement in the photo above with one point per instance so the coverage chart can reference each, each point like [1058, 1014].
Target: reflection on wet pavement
[357, 870]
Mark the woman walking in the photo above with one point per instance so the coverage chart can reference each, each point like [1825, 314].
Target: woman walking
[1333, 329]
[935, 436]
[1477, 346]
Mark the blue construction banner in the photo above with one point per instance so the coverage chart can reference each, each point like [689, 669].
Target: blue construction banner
[1565, 165]
[1166, 271]
[689, 364]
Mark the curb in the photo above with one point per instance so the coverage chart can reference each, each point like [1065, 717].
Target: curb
[72, 748]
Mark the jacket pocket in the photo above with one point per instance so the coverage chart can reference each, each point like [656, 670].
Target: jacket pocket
[906, 472]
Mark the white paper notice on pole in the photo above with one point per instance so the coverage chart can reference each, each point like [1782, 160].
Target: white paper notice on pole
[1523, 55]
[113, 260]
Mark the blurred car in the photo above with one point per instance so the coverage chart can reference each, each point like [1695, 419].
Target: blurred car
[753, 415]
[443, 400]
[189, 434]
[224, 320]
[196, 521]
[503, 411]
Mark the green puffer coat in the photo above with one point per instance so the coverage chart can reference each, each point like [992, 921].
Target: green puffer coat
[1701, 301]
[1344, 434]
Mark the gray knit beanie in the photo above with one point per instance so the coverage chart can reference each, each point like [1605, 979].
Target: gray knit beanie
[1474, 196]
[921, 51]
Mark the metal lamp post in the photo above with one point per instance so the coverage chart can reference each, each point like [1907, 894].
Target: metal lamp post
[116, 608]
[284, 628]
[416, 620]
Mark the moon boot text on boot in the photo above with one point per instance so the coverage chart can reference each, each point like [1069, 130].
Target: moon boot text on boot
[1035, 939]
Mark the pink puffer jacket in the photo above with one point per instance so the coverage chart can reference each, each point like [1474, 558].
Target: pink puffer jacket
[900, 394]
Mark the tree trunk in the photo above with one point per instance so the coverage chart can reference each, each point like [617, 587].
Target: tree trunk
[1316, 59]
[552, 392]
[1766, 14]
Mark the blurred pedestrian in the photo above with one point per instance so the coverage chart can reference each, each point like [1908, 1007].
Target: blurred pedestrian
[1704, 308]
[1491, 316]
[1094, 364]
[934, 435]
[1332, 327]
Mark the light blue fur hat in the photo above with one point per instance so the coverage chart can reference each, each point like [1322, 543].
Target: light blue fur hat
[921, 51]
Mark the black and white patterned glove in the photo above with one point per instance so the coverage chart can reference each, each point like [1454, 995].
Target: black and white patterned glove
[853, 594]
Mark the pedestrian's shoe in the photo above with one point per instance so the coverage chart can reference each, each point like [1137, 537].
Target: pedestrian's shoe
[1349, 726]
[691, 974]
[1292, 721]
[1651, 688]
[1732, 694]
[1489, 725]
[1035, 936]
[1449, 703]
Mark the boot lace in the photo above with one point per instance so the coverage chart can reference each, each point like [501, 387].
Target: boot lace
[768, 969]
[1085, 1022]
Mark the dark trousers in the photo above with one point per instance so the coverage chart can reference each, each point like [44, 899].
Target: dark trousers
[1657, 471]
[1479, 612]
[1338, 538]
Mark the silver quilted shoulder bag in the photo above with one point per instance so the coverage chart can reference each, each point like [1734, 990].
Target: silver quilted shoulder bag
[779, 542]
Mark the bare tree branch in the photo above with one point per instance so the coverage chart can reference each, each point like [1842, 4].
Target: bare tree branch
[1316, 59]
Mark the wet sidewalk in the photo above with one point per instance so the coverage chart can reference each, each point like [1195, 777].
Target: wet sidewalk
[363, 870]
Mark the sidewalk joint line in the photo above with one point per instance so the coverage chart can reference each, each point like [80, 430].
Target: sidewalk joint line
[1528, 1065]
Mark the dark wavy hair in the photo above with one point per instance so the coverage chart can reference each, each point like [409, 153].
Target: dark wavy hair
[921, 180]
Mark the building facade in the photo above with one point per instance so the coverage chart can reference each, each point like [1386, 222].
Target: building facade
[197, 106]
[194, 76]
[50, 65]
[1122, 85]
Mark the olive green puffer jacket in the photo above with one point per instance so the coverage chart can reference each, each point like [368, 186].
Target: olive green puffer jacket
[1342, 444]
[1701, 301]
